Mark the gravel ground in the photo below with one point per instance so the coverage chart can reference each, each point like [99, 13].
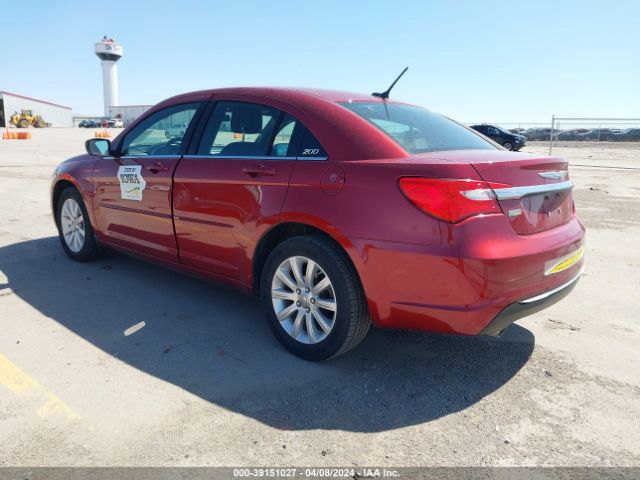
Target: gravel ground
[203, 382]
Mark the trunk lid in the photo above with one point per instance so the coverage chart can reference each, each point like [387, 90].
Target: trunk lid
[536, 191]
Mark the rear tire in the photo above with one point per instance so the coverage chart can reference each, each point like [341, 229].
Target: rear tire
[305, 327]
[74, 227]
[24, 123]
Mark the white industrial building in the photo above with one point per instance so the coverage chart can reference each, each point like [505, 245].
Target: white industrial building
[128, 113]
[52, 113]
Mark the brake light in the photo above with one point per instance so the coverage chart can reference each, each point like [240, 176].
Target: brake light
[451, 200]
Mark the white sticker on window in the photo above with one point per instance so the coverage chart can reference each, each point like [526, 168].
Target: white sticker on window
[131, 182]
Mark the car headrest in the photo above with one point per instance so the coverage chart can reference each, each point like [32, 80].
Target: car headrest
[246, 120]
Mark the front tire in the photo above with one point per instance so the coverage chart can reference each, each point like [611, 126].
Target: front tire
[74, 228]
[508, 145]
[313, 298]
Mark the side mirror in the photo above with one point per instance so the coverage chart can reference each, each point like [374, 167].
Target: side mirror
[99, 147]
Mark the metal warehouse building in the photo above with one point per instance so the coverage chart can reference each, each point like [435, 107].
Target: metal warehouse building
[51, 113]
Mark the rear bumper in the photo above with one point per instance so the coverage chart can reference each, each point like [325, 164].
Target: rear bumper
[528, 306]
[482, 276]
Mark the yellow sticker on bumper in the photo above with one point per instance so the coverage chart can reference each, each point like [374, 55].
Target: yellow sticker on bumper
[561, 264]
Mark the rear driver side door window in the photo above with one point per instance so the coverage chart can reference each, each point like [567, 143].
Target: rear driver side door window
[294, 140]
[238, 129]
[249, 130]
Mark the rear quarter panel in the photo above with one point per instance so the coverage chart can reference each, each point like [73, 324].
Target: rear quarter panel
[361, 199]
[360, 205]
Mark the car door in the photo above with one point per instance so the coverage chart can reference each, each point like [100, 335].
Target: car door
[231, 190]
[132, 203]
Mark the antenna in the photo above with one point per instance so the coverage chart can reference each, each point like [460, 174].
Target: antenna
[384, 95]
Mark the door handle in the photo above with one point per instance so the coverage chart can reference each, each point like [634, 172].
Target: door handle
[259, 171]
[157, 167]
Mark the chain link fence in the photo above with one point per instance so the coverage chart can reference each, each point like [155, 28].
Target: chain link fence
[579, 132]
[573, 132]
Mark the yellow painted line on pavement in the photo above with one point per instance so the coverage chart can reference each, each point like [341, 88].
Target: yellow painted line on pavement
[15, 379]
[19, 383]
[55, 405]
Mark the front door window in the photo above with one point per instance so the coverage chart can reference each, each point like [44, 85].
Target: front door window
[160, 134]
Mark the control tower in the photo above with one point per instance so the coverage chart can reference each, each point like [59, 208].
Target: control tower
[109, 52]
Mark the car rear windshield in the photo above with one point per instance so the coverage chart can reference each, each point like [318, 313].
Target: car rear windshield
[416, 129]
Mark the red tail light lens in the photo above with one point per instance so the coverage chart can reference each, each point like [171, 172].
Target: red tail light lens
[451, 200]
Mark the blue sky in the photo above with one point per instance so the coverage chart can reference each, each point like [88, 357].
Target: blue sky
[494, 61]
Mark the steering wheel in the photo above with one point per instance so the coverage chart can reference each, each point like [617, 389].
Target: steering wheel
[167, 148]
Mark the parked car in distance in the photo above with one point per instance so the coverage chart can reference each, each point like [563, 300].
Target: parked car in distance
[414, 223]
[628, 135]
[570, 135]
[176, 130]
[534, 134]
[518, 131]
[601, 134]
[115, 123]
[87, 124]
[501, 136]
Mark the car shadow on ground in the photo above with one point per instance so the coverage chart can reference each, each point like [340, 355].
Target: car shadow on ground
[215, 343]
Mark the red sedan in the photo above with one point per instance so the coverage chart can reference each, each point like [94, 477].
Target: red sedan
[338, 209]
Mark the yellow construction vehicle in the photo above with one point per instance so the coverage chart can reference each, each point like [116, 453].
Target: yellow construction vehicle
[27, 118]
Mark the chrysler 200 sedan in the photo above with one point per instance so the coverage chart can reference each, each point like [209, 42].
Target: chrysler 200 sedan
[339, 210]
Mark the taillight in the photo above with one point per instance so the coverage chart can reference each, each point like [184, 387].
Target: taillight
[449, 199]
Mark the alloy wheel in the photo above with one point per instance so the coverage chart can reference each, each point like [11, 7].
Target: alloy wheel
[72, 225]
[304, 299]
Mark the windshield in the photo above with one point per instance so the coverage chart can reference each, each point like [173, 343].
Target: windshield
[416, 129]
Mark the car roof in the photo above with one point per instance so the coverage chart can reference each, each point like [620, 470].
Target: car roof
[344, 134]
[289, 92]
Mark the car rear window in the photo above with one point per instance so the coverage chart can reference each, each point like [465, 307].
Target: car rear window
[416, 129]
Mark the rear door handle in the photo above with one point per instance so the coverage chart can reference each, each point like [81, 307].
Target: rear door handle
[157, 167]
[259, 171]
